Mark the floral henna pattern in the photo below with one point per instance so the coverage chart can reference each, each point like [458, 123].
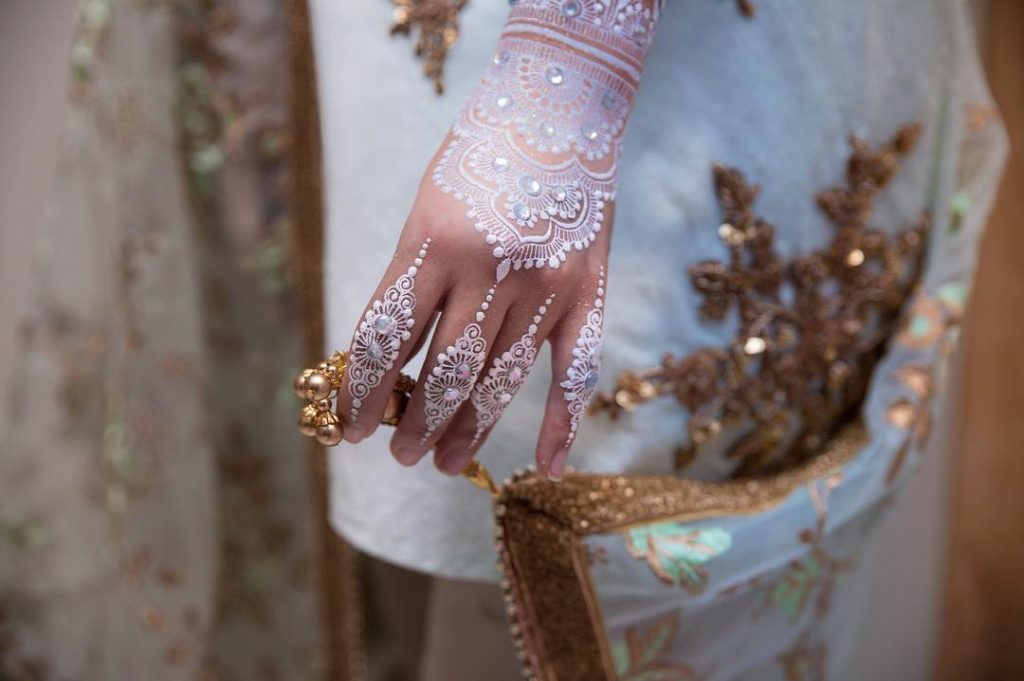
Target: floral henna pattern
[585, 371]
[507, 374]
[534, 153]
[451, 381]
[387, 324]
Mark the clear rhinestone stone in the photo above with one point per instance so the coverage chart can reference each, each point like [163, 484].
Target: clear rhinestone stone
[463, 371]
[571, 8]
[384, 323]
[374, 350]
[591, 379]
[500, 58]
[547, 129]
[503, 101]
[555, 76]
[522, 212]
[505, 397]
[515, 375]
[589, 131]
[530, 186]
[500, 163]
[451, 394]
[609, 100]
[559, 194]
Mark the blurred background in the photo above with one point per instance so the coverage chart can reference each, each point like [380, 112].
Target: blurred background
[228, 588]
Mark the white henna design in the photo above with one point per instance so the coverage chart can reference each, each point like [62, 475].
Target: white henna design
[585, 371]
[534, 153]
[494, 393]
[453, 377]
[386, 325]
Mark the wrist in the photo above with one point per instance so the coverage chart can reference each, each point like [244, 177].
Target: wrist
[610, 34]
[534, 152]
[565, 74]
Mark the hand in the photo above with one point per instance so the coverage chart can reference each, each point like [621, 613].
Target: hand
[487, 338]
[531, 163]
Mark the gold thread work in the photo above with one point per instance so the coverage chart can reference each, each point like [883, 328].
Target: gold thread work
[810, 329]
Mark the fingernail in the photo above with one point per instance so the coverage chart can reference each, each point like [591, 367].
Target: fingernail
[407, 455]
[453, 461]
[557, 465]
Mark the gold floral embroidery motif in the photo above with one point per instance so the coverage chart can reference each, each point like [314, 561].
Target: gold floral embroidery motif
[438, 25]
[810, 329]
[640, 655]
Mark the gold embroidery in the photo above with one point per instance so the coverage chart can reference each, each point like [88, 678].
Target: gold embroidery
[641, 655]
[676, 553]
[810, 329]
[438, 24]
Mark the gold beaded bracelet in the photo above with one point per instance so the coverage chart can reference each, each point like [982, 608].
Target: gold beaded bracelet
[319, 386]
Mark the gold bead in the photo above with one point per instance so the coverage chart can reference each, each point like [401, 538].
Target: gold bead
[329, 435]
[307, 428]
[318, 387]
[299, 386]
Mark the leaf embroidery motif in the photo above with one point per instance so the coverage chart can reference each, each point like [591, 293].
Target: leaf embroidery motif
[677, 553]
[639, 656]
[812, 577]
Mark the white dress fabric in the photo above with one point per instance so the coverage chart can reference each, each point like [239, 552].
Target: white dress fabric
[776, 97]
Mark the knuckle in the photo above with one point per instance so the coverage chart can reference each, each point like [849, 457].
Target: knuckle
[551, 277]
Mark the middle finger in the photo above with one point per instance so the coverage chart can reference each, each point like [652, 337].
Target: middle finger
[456, 357]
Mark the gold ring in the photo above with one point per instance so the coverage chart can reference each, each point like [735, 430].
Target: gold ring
[319, 386]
